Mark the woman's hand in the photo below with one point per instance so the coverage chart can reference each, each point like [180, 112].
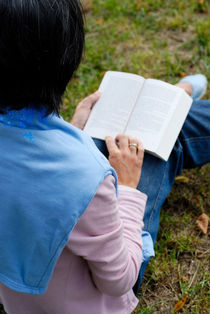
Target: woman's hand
[126, 157]
[83, 110]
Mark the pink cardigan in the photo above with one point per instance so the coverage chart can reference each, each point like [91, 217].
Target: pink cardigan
[100, 264]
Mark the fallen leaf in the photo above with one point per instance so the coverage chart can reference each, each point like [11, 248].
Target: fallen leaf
[138, 5]
[100, 21]
[201, 2]
[179, 305]
[182, 179]
[202, 223]
[182, 74]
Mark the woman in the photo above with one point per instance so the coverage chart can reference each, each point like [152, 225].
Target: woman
[53, 177]
[68, 243]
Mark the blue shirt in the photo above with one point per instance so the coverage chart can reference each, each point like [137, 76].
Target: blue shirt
[49, 173]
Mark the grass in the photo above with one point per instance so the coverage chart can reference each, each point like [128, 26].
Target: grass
[162, 39]
[159, 39]
[181, 266]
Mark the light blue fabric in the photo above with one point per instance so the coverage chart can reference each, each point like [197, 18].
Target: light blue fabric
[199, 85]
[49, 173]
[147, 246]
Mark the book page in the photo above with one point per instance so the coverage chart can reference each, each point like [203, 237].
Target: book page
[111, 112]
[152, 112]
[174, 126]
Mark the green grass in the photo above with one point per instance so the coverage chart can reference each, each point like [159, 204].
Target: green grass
[159, 39]
[162, 39]
[181, 266]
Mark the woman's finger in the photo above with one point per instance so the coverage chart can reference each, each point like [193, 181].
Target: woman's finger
[123, 141]
[136, 147]
[90, 100]
[140, 153]
[133, 145]
[111, 145]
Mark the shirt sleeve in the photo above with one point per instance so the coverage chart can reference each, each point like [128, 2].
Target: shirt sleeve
[108, 237]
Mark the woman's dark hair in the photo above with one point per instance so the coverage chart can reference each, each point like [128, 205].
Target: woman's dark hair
[41, 45]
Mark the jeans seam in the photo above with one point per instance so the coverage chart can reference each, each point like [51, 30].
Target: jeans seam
[197, 139]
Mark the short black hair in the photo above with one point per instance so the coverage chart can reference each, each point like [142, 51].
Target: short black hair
[41, 46]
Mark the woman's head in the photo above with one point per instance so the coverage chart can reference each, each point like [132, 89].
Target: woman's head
[41, 44]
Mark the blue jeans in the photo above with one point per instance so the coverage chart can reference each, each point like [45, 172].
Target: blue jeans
[192, 149]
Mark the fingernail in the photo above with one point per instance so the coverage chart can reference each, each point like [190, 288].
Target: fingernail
[98, 92]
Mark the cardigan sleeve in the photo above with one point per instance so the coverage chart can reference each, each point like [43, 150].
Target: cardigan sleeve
[108, 237]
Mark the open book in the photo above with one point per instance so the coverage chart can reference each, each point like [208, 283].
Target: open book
[149, 109]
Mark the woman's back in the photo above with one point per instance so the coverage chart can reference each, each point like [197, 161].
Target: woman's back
[44, 178]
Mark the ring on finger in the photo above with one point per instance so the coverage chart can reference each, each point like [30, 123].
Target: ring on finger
[133, 145]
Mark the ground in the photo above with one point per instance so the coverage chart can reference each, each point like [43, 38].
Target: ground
[166, 40]
[181, 266]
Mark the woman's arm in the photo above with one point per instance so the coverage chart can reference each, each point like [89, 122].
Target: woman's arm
[108, 237]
